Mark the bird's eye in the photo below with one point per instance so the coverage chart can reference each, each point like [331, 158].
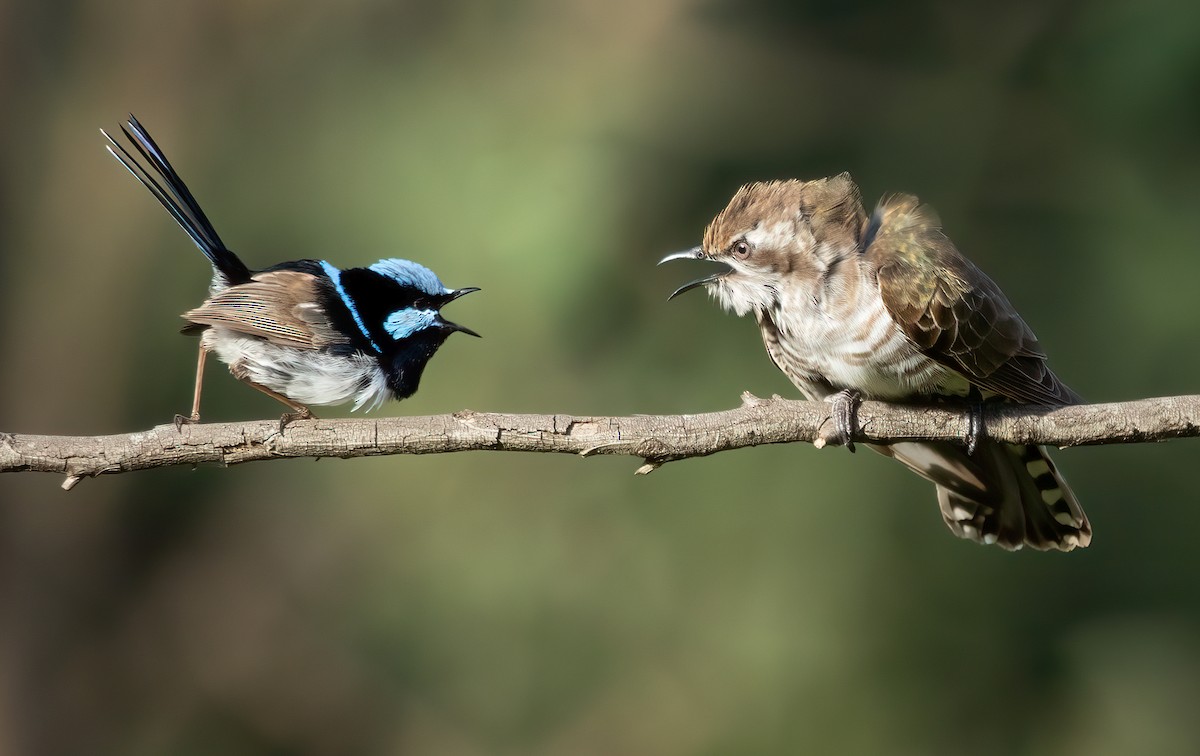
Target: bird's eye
[740, 249]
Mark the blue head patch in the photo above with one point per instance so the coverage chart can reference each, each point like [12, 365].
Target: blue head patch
[404, 323]
[408, 273]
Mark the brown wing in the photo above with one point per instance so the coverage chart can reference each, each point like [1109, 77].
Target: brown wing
[280, 306]
[952, 311]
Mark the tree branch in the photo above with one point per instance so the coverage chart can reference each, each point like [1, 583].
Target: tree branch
[657, 439]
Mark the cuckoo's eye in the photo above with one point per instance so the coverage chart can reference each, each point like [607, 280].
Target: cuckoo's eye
[740, 249]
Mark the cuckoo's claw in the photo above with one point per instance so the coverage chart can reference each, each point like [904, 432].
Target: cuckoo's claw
[974, 426]
[844, 415]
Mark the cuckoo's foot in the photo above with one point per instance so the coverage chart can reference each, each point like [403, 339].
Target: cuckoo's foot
[975, 430]
[844, 414]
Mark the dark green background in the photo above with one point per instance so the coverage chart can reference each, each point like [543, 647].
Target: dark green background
[772, 600]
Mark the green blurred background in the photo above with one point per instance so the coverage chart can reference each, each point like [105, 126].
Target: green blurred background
[772, 600]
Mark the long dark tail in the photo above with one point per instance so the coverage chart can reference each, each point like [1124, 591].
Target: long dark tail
[1009, 495]
[168, 188]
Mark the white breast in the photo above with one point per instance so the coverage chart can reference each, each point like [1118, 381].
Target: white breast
[305, 376]
[847, 339]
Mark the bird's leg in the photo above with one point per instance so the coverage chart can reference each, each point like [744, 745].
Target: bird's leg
[299, 411]
[180, 420]
[844, 415]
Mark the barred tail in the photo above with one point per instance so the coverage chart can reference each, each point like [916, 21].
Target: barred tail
[170, 190]
[1009, 495]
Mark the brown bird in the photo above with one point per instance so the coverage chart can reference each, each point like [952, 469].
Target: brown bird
[884, 307]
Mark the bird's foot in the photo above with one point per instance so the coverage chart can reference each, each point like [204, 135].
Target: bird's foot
[844, 415]
[975, 430]
[302, 413]
[182, 420]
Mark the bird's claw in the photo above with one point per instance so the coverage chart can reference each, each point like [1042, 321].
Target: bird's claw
[974, 427]
[182, 420]
[304, 413]
[844, 414]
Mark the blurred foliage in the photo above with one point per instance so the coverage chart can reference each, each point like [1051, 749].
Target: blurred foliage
[774, 600]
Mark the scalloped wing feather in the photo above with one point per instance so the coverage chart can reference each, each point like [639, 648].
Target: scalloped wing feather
[951, 310]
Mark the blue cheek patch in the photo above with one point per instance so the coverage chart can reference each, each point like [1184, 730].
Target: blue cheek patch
[404, 323]
[335, 276]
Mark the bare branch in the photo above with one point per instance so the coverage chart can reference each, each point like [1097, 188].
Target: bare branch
[657, 439]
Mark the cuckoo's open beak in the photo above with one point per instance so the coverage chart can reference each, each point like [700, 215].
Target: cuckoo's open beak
[695, 253]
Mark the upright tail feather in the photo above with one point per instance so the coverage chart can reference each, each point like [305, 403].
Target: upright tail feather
[174, 195]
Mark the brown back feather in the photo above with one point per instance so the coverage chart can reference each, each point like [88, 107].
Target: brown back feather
[951, 310]
[280, 306]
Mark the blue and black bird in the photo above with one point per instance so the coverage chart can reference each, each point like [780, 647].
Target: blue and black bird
[304, 331]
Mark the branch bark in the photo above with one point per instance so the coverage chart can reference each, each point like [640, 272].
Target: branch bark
[656, 439]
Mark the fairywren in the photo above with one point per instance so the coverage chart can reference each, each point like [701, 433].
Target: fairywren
[303, 332]
[885, 307]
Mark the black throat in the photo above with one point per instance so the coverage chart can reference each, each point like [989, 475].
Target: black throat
[404, 360]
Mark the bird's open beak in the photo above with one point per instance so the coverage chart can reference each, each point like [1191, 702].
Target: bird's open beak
[452, 327]
[458, 293]
[695, 253]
